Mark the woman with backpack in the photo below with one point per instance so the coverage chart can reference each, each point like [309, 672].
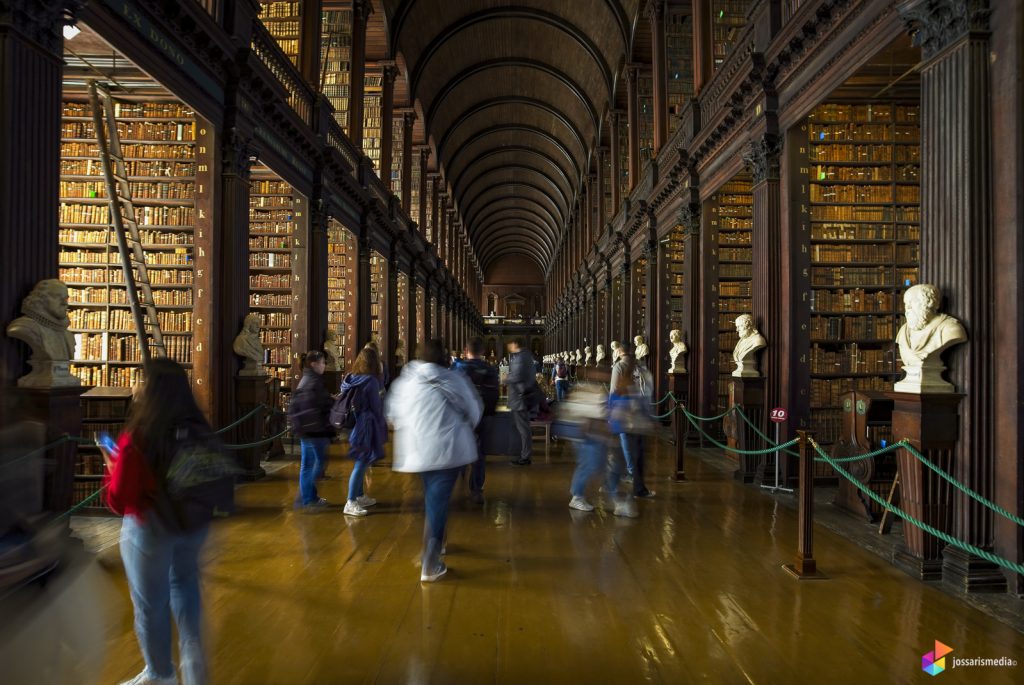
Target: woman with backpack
[361, 390]
[434, 411]
[159, 544]
[309, 418]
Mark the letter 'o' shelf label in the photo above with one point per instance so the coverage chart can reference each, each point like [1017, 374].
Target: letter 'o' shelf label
[779, 415]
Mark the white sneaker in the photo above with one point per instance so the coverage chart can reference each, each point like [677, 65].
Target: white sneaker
[626, 508]
[439, 571]
[365, 501]
[581, 504]
[352, 508]
[145, 678]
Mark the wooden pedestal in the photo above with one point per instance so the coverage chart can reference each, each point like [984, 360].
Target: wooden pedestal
[251, 391]
[930, 424]
[747, 393]
[678, 385]
[60, 410]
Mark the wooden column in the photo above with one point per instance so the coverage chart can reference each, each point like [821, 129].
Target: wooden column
[391, 329]
[703, 64]
[361, 10]
[608, 323]
[421, 211]
[387, 122]
[363, 328]
[408, 120]
[410, 313]
[633, 122]
[957, 248]
[30, 116]
[651, 327]
[602, 208]
[615, 118]
[762, 157]
[428, 329]
[655, 11]
[625, 314]
[309, 42]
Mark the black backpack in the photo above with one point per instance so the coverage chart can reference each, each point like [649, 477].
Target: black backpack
[197, 484]
[488, 383]
[343, 413]
[561, 371]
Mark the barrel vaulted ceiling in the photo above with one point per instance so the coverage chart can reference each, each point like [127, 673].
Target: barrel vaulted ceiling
[512, 94]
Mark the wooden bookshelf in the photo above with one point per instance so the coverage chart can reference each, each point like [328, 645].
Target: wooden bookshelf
[421, 302]
[104, 410]
[158, 141]
[341, 278]
[728, 17]
[372, 119]
[623, 144]
[675, 278]
[639, 309]
[284, 23]
[732, 226]
[276, 279]
[864, 200]
[679, 61]
[336, 61]
[645, 114]
[402, 292]
[378, 299]
[428, 230]
[394, 181]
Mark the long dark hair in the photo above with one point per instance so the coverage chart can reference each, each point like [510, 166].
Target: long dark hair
[368, 363]
[165, 404]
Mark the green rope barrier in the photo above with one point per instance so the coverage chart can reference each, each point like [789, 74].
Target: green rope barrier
[247, 445]
[739, 410]
[769, 450]
[665, 415]
[841, 460]
[83, 503]
[960, 486]
[948, 539]
[708, 419]
[663, 399]
[257, 410]
[42, 450]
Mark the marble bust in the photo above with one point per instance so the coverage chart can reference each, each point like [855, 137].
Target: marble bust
[578, 357]
[249, 347]
[43, 326]
[923, 339]
[677, 352]
[745, 352]
[400, 352]
[641, 348]
[332, 348]
[616, 350]
[587, 355]
[600, 355]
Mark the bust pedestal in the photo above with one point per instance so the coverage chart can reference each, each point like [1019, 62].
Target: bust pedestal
[747, 368]
[251, 391]
[931, 424]
[60, 409]
[678, 385]
[747, 393]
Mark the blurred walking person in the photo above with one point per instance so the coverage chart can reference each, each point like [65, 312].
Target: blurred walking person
[366, 440]
[521, 398]
[487, 383]
[434, 411]
[309, 418]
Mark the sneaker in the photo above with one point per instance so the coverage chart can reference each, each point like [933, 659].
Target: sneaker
[476, 497]
[581, 504]
[628, 478]
[645, 493]
[439, 571]
[318, 503]
[145, 678]
[352, 508]
[626, 509]
[365, 501]
[521, 462]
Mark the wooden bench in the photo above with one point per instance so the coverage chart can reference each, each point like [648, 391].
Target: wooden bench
[545, 428]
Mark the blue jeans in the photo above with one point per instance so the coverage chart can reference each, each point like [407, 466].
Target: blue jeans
[478, 468]
[163, 578]
[560, 388]
[355, 482]
[590, 458]
[314, 450]
[437, 494]
[632, 458]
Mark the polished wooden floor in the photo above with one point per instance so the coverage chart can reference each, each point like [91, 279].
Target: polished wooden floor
[691, 591]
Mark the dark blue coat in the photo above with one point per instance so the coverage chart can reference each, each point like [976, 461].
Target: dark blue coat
[366, 441]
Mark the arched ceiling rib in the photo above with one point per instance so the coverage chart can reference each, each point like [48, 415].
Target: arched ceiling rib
[513, 94]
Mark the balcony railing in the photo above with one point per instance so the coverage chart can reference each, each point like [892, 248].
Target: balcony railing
[300, 96]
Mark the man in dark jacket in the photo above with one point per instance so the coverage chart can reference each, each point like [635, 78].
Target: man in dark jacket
[486, 381]
[521, 383]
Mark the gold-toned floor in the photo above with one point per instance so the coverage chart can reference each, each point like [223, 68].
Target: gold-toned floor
[692, 591]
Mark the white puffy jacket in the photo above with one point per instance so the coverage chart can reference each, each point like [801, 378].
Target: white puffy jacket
[434, 411]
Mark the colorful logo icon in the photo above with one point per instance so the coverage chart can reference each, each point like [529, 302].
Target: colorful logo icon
[934, 663]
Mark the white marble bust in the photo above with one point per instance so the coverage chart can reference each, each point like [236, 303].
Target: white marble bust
[923, 339]
[642, 350]
[677, 352]
[578, 357]
[587, 355]
[332, 349]
[745, 352]
[249, 347]
[616, 350]
[600, 355]
[400, 352]
[43, 326]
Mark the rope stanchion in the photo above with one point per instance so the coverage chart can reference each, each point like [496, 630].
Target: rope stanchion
[948, 539]
[719, 445]
[805, 568]
[259, 408]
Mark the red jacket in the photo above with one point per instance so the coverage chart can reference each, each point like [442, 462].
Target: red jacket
[131, 484]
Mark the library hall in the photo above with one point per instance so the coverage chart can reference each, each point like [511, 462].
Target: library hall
[457, 342]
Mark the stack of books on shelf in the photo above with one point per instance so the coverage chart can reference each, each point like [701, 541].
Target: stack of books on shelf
[732, 223]
[341, 252]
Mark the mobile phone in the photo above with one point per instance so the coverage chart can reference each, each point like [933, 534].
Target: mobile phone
[106, 442]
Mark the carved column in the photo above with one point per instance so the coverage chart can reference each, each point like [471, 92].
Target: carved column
[387, 122]
[762, 158]
[30, 108]
[421, 211]
[309, 42]
[699, 356]
[408, 120]
[653, 300]
[361, 10]
[363, 327]
[957, 247]
[703, 66]
[655, 11]
[633, 122]
[608, 322]
[317, 270]
[626, 313]
[615, 118]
